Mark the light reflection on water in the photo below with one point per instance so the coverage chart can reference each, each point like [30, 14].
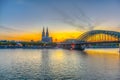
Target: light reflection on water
[60, 64]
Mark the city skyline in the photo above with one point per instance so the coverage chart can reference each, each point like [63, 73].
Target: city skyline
[24, 19]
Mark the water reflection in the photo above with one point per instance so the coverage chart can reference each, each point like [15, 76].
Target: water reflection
[46, 73]
[106, 62]
[59, 64]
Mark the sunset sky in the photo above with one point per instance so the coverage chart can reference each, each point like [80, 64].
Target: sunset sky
[24, 19]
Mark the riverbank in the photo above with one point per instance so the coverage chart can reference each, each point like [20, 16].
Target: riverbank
[27, 47]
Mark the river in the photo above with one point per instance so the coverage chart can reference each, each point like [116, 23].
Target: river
[59, 64]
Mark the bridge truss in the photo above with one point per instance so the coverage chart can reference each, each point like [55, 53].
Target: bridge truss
[99, 36]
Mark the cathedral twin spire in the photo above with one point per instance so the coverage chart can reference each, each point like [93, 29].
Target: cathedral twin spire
[45, 36]
[47, 33]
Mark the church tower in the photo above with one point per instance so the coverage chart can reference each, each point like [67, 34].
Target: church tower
[45, 36]
[47, 33]
[43, 33]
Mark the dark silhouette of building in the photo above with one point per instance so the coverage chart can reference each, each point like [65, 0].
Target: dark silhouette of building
[45, 36]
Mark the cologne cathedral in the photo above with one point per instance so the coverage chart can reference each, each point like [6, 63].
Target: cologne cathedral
[45, 36]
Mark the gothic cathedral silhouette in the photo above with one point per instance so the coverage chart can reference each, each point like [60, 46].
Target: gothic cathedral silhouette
[45, 36]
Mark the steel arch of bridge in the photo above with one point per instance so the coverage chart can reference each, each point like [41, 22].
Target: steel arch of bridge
[88, 34]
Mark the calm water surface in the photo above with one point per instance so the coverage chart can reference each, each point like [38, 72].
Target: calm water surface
[59, 64]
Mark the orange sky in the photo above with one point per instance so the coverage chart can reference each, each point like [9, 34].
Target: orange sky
[57, 36]
[36, 36]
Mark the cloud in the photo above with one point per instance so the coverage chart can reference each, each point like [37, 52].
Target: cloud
[14, 30]
[8, 29]
[81, 21]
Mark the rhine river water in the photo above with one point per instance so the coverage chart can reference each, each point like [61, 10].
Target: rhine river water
[59, 64]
